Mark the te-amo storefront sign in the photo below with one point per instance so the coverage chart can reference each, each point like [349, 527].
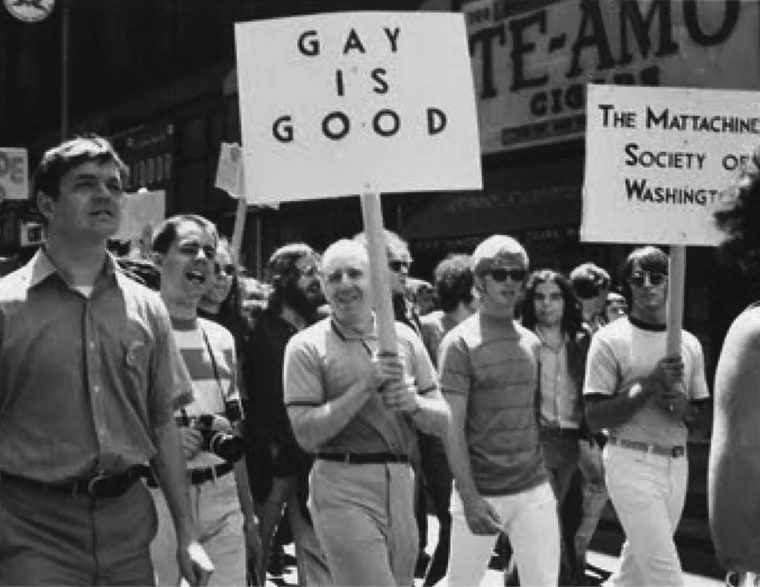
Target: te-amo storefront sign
[531, 69]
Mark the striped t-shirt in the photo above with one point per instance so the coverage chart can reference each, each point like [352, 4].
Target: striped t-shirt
[194, 339]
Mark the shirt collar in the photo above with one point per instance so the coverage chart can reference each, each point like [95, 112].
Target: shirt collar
[41, 267]
[351, 334]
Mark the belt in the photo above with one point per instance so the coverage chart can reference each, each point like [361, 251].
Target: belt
[572, 433]
[97, 487]
[200, 476]
[674, 451]
[371, 458]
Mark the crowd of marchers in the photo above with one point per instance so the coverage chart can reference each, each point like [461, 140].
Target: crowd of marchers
[157, 425]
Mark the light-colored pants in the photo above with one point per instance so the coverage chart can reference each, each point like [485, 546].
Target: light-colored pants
[311, 561]
[531, 523]
[215, 509]
[364, 519]
[648, 492]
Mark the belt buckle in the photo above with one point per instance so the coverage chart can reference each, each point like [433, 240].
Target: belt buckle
[677, 451]
[92, 484]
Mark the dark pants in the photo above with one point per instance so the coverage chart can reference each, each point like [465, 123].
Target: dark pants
[438, 484]
[54, 538]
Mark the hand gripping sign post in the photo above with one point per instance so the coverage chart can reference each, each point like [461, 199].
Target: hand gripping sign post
[659, 162]
[358, 103]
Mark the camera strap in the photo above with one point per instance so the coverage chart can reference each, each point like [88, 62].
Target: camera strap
[213, 364]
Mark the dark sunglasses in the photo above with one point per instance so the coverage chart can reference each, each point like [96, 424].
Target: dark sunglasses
[397, 266]
[500, 275]
[228, 270]
[655, 278]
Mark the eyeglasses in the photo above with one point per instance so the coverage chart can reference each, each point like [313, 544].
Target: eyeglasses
[228, 270]
[396, 266]
[638, 278]
[310, 271]
[500, 274]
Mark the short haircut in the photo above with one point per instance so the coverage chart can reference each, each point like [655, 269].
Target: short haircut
[572, 316]
[56, 162]
[453, 281]
[345, 246]
[394, 245]
[494, 250]
[166, 233]
[647, 258]
[588, 279]
[281, 267]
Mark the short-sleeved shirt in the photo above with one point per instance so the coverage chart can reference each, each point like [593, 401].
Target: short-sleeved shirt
[208, 350]
[323, 361]
[493, 363]
[433, 327]
[622, 352]
[560, 396]
[84, 381]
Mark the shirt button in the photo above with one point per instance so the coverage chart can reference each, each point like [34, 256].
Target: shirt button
[96, 388]
[101, 431]
[92, 346]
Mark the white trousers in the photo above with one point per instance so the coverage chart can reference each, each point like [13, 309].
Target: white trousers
[648, 492]
[530, 522]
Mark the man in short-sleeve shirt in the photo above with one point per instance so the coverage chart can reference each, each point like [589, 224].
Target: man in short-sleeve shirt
[357, 412]
[489, 376]
[89, 378]
[643, 399]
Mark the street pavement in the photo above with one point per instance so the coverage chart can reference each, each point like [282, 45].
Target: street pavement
[493, 578]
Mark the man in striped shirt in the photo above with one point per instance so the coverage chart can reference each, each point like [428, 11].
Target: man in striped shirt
[184, 251]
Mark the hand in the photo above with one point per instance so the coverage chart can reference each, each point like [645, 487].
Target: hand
[668, 372]
[191, 441]
[481, 516]
[399, 391]
[194, 564]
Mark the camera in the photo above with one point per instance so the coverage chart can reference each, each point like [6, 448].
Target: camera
[228, 446]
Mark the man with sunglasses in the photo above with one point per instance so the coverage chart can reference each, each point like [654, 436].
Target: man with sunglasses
[644, 400]
[279, 467]
[489, 375]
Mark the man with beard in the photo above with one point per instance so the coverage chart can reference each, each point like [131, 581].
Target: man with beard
[279, 468]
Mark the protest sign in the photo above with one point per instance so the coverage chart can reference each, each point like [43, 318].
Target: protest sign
[142, 211]
[659, 160]
[14, 176]
[349, 103]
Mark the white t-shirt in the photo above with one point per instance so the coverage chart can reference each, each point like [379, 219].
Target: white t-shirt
[620, 353]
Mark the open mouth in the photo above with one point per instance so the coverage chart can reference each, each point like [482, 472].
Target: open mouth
[196, 277]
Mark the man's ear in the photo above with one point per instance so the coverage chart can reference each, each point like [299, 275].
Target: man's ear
[157, 258]
[46, 205]
[478, 284]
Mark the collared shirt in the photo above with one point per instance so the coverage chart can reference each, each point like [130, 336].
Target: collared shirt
[84, 381]
[560, 404]
[323, 361]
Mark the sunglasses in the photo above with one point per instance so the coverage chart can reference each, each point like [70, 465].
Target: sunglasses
[397, 266]
[655, 278]
[228, 270]
[500, 275]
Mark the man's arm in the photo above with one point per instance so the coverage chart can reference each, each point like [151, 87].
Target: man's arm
[481, 517]
[610, 411]
[170, 469]
[315, 425]
[431, 414]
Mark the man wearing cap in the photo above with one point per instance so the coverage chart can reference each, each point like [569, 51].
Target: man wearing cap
[89, 379]
[489, 376]
[643, 399]
[357, 410]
